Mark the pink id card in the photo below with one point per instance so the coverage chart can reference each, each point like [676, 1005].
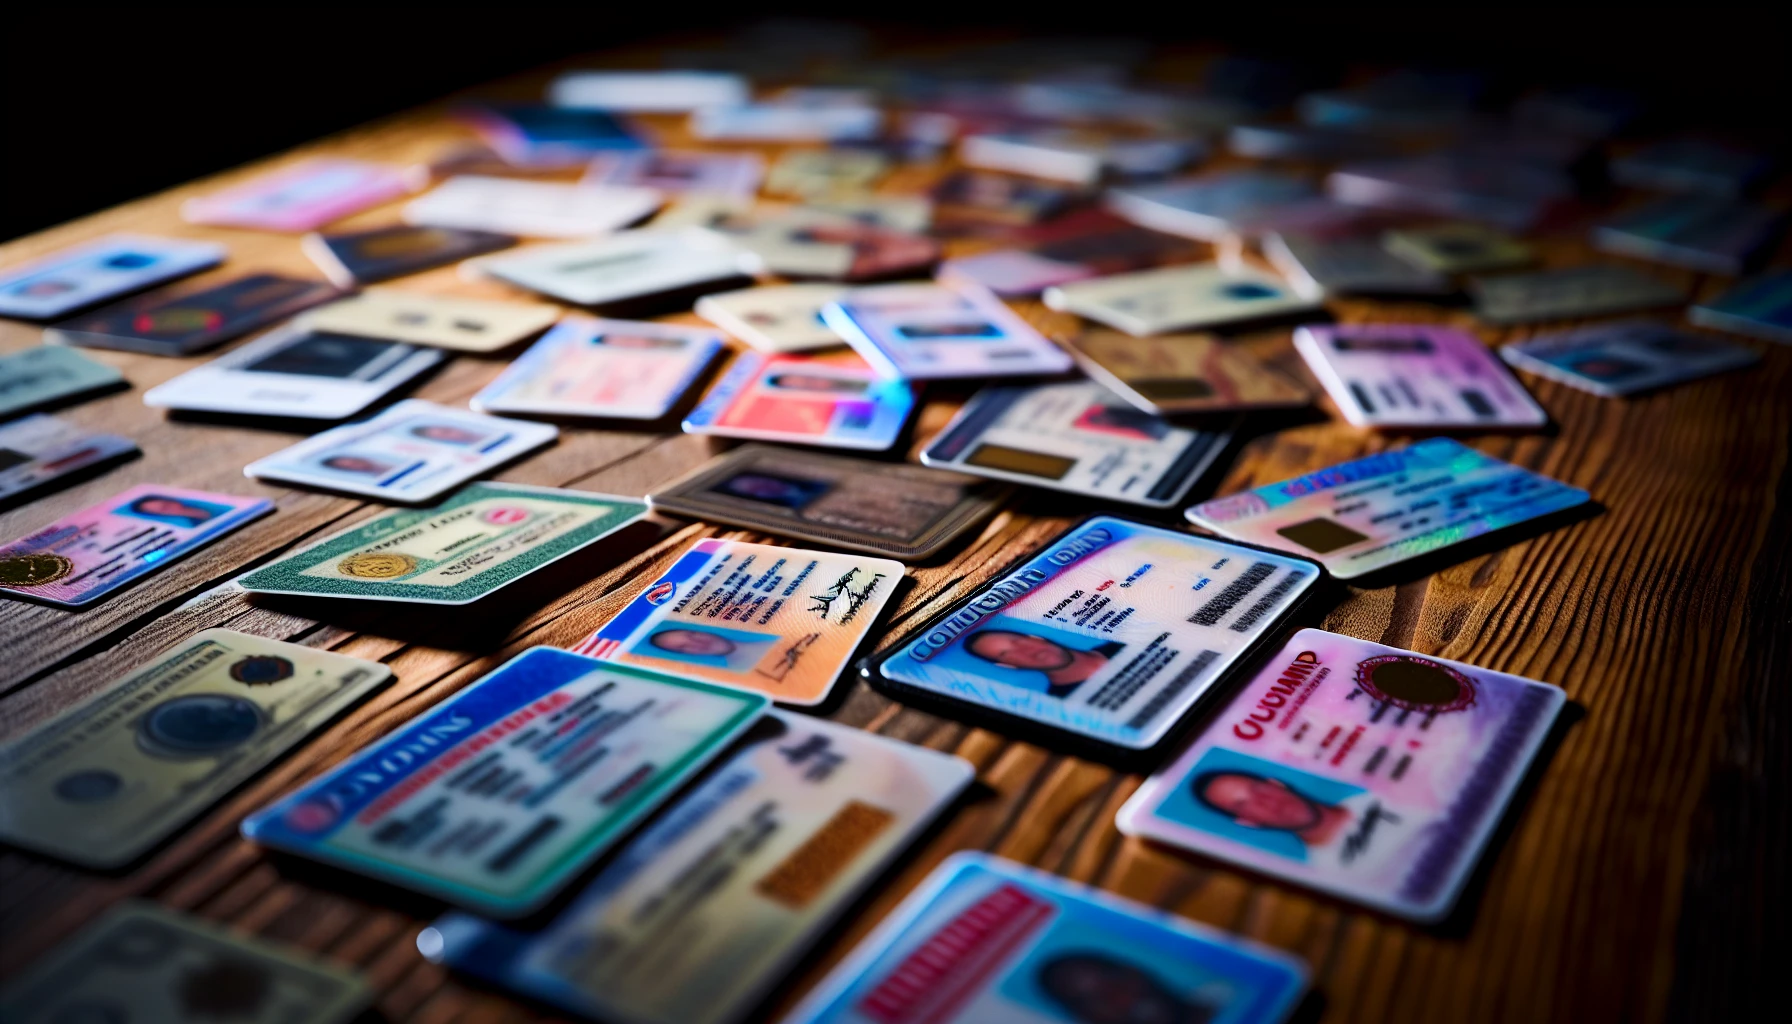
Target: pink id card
[303, 197]
[1415, 375]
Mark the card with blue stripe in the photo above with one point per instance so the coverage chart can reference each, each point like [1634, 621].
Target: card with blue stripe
[81, 276]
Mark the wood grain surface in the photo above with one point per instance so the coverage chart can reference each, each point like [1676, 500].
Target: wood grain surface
[1641, 877]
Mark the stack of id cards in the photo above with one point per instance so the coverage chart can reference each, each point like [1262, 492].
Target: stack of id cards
[1614, 360]
[782, 621]
[120, 772]
[1177, 298]
[1172, 374]
[1415, 375]
[932, 331]
[1371, 513]
[498, 796]
[1079, 438]
[1108, 636]
[747, 870]
[86, 555]
[1365, 771]
[39, 450]
[415, 451]
[48, 375]
[833, 399]
[984, 940]
[603, 369]
[78, 277]
[195, 321]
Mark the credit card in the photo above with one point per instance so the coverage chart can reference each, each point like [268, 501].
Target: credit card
[304, 196]
[32, 378]
[299, 373]
[777, 318]
[1111, 634]
[832, 399]
[38, 450]
[1566, 292]
[538, 135]
[117, 774]
[904, 512]
[179, 325]
[1458, 248]
[1415, 375]
[1620, 359]
[933, 331]
[1717, 236]
[1213, 206]
[634, 265]
[352, 258]
[1692, 165]
[498, 796]
[782, 621]
[606, 369]
[439, 321]
[984, 940]
[1370, 513]
[1076, 437]
[1172, 374]
[825, 173]
[1318, 266]
[679, 173]
[413, 452]
[145, 963]
[542, 209]
[82, 275]
[483, 537]
[1760, 307]
[1369, 772]
[86, 555]
[1177, 298]
[748, 869]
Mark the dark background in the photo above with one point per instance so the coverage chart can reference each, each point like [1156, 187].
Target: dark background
[107, 105]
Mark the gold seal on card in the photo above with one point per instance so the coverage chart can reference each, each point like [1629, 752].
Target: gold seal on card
[33, 570]
[376, 565]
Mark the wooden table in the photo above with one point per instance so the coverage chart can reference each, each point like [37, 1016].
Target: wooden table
[1641, 880]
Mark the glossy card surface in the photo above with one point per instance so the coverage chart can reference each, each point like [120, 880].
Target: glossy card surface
[542, 209]
[86, 555]
[1415, 375]
[746, 870]
[298, 372]
[1175, 298]
[484, 536]
[194, 321]
[1625, 358]
[1374, 512]
[778, 318]
[413, 452]
[38, 450]
[353, 258]
[932, 331]
[118, 773]
[47, 374]
[302, 197]
[986, 941]
[1365, 771]
[834, 400]
[81, 275]
[498, 796]
[1187, 373]
[604, 369]
[439, 321]
[1112, 632]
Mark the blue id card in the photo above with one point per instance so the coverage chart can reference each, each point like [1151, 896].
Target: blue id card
[986, 940]
[77, 277]
[497, 797]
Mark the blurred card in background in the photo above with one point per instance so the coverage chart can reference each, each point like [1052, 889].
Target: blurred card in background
[775, 318]
[1718, 236]
[1211, 207]
[825, 173]
[1304, 143]
[439, 321]
[1760, 307]
[178, 325]
[802, 243]
[299, 372]
[1319, 265]
[1510, 194]
[932, 331]
[1620, 359]
[648, 92]
[1176, 298]
[364, 257]
[82, 275]
[679, 173]
[998, 198]
[1565, 292]
[1415, 376]
[632, 266]
[1692, 165]
[770, 122]
[46, 375]
[603, 369]
[1170, 374]
[542, 209]
[832, 399]
[535, 135]
[38, 450]
[304, 196]
[1458, 248]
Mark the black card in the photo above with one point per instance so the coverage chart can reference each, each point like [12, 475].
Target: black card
[363, 257]
[195, 321]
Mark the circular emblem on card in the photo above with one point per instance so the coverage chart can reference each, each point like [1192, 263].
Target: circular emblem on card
[660, 593]
[376, 565]
[261, 669]
[33, 570]
[198, 724]
[311, 816]
[506, 516]
[89, 786]
[1415, 684]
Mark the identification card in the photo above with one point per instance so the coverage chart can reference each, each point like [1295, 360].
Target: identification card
[144, 963]
[38, 450]
[1011, 273]
[1111, 634]
[604, 369]
[778, 318]
[1075, 437]
[749, 869]
[1760, 307]
[649, 92]
[999, 198]
[353, 258]
[1620, 359]
[904, 512]
[541, 209]
[629, 266]
[1179, 298]
[195, 321]
[1458, 248]
[537, 135]
[299, 373]
[117, 774]
[679, 173]
[48, 375]
[781, 621]
[833, 399]
[87, 555]
[1212, 207]
[1318, 266]
[933, 331]
[498, 796]
[439, 321]
[1171, 374]
[1567, 292]
[825, 173]
[1365, 771]
[774, 122]
[485, 536]
[304, 196]
[1716, 236]
[413, 452]
[82, 275]
[984, 940]
[1415, 375]
[1370, 513]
